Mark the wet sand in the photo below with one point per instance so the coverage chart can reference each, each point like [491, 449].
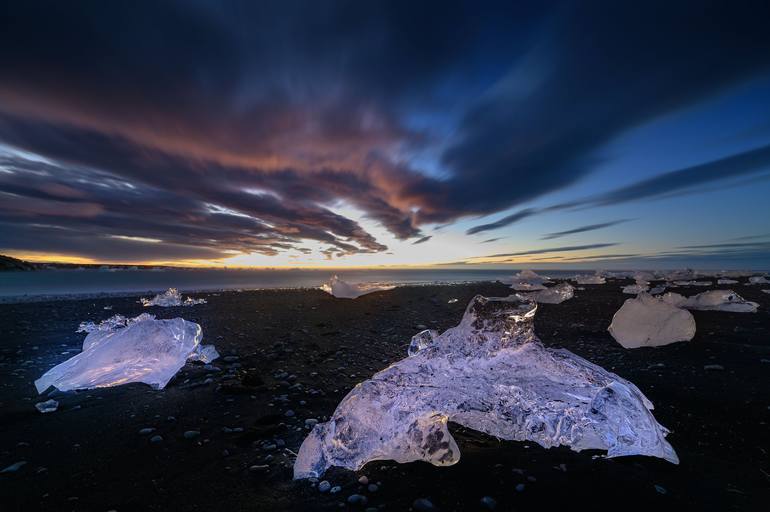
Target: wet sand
[302, 351]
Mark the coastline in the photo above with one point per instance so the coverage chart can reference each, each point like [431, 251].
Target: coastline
[303, 350]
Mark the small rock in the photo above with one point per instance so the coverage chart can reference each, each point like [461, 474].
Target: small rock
[363, 480]
[13, 468]
[660, 489]
[324, 486]
[488, 502]
[335, 489]
[264, 468]
[372, 488]
[423, 505]
[519, 487]
[156, 439]
[146, 430]
[357, 499]
[713, 367]
[191, 434]
[311, 422]
[289, 413]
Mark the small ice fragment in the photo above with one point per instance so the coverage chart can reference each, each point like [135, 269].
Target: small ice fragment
[554, 295]
[758, 280]
[170, 298]
[527, 280]
[451, 301]
[421, 340]
[647, 321]
[765, 291]
[658, 289]
[120, 350]
[693, 283]
[342, 290]
[727, 281]
[489, 373]
[47, 406]
[712, 300]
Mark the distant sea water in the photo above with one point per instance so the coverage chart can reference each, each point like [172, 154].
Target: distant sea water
[89, 282]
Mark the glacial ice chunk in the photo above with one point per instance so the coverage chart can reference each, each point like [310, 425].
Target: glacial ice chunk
[489, 373]
[47, 406]
[727, 281]
[693, 283]
[170, 298]
[647, 321]
[589, 279]
[553, 295]
[712, 300]
[528, 280]
[342, 290]
[758, 280]
[119, 350]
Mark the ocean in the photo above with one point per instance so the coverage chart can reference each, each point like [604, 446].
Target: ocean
[62, 282]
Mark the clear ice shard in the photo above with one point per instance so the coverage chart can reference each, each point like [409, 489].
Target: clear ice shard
[120, 350]
[528, 280]
[342, 290]
[758, 280]
[712, 300]
[553, 295]
[170, 298]
[489, 373]
[647, 321]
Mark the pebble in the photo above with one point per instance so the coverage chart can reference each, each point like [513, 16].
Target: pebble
[423, 505]
[289, 413]
[520, 487]
[713, 367]
[363, 480]
[191, 434]
[324, 486]
[311, 422]
[335, 489]
[146, 430]
[488, 502]
[263, 468]
[13, 468]
[372, 488]
[357, 499]
[660, 489]
[156, 439]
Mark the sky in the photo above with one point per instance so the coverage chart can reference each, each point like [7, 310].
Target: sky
[343, 133]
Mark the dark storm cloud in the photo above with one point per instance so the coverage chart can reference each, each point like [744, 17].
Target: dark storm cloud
[724, 171]
[279, 110]
[583, 229]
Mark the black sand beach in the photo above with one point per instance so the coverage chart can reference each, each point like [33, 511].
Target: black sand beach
[289, 356]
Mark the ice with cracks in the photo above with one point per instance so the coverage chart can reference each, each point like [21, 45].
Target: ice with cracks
[492, 374]
[120, 350]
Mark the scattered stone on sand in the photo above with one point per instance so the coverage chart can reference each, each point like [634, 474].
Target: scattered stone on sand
[324, 486]
[488, 503]
[191, 434]
[156, 439]
[713, 367]
[553, 295]
[357, 499]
